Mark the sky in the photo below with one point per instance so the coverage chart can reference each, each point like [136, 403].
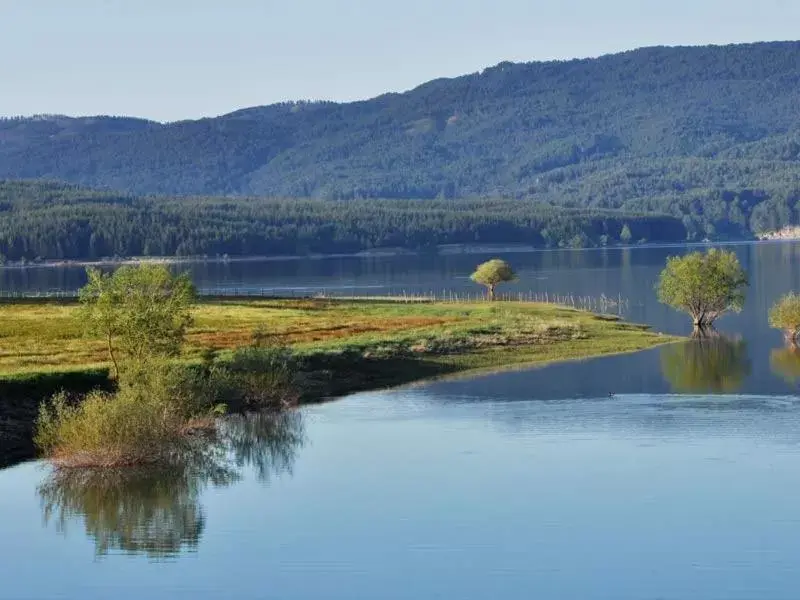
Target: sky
[178, 59]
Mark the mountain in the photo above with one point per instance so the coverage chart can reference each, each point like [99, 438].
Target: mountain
[709, 135]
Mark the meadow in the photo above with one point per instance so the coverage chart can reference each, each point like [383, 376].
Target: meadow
[338, 346]
[41, 337]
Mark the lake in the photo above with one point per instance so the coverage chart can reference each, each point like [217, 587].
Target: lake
[671, 473]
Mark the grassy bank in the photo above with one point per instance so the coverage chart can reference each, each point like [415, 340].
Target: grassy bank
[342, 345]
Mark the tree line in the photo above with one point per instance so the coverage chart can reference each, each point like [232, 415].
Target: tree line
[52, 221]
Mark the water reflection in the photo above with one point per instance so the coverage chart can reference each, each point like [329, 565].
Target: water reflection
[785, 363]
[266, 442]
[706, 365]
[150, 511]
[157, 511]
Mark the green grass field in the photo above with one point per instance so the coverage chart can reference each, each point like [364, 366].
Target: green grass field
[44, 337]
[342, 346]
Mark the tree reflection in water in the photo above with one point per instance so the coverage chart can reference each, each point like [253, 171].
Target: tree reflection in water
[266, 442]
[157, 511]
[713, 364]
[785, 363]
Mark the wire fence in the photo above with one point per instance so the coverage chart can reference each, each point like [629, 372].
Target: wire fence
[598, 304]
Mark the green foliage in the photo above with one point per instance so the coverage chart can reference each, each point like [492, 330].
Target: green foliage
[599, 134]
[145, 310]
[785, 315]
[710, 365]
[377, 343]
[705, 285]
[625, 236]
[140, 423]
[157, 405]
[493, 272]
[514, 129]
[254, 378]
[53, 221]
[611, 132]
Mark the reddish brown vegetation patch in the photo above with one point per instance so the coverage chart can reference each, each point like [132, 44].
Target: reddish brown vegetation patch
[221, 339]
[305, 334]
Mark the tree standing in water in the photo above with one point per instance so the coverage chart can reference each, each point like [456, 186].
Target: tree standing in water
[492, 273]
[785, 315]
[625, 236]
[704, 284]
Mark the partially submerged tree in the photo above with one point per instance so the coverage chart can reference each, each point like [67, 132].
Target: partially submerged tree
[142, 311]
[625, 236]
[785, 315]
[704, 284]
[491, 273]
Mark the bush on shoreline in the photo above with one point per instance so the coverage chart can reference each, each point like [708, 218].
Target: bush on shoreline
[142, 422]
[255, 379]
[158, 407]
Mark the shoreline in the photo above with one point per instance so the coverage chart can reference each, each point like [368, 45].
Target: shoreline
[18, 446]
[443, 250]
[787, 234]
[492, 337]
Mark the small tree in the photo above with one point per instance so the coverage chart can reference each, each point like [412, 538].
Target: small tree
[705, 285]
[492, 273]
[785, 315]
[143, 311]
[625, 236]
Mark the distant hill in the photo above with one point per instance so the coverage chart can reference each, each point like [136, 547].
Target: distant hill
[710, 135]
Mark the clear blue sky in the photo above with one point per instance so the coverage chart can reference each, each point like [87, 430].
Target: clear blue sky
[174, 59]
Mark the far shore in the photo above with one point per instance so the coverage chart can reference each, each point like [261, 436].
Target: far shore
[787, 234]
[444, 250]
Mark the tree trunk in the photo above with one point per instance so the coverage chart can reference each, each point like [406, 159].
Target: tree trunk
[113, 358]
[791, 335]
[490, 290]
[704, 320]
[703, 331]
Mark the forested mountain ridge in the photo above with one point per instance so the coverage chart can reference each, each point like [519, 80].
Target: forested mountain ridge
[709, 135]
[490, 133]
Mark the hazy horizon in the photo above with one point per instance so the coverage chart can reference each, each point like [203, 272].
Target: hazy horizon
[186, 60]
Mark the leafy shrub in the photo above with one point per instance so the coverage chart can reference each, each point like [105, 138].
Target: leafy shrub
[255, 378]
[704, 284]
[160, 407]
[785, 315]
[144, 421]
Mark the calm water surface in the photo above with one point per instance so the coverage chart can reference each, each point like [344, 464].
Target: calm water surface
[534, 483]
[440, 494]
